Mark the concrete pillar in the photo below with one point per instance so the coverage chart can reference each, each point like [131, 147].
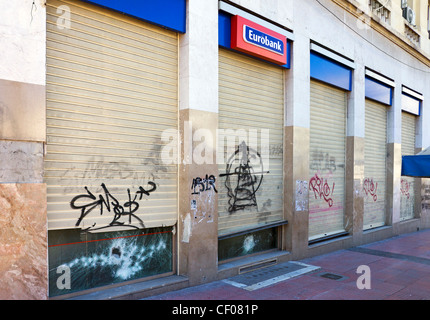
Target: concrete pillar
[394, 157]
[355, 155]
[198, 83]
[296, 153]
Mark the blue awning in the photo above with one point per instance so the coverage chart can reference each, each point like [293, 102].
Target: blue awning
[417, 165]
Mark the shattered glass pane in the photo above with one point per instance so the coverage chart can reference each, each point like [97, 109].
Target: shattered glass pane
[247, 244]
[98, 259]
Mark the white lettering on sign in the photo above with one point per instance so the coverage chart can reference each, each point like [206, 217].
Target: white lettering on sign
[262, 40]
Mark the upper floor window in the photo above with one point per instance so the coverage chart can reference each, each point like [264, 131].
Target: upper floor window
[408, 11]
[428, 18]
[381, 8]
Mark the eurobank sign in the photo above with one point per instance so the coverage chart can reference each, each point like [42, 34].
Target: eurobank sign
[256, 40]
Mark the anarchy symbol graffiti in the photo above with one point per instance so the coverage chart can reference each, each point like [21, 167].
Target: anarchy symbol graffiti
[244, 176]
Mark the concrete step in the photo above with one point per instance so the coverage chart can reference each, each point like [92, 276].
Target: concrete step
[138, 290]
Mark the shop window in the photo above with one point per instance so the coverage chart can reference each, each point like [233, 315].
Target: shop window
[248, 243]
[82, 260]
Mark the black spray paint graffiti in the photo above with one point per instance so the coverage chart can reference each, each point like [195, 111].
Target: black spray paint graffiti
[242, 190]
[202, 185]
[425, 192]
[109, 202]
[322, 161]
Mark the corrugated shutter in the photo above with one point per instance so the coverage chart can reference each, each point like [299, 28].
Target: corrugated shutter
[111, 91]
[407, 184]
[251, 98]
[327, 160]
[375, 151]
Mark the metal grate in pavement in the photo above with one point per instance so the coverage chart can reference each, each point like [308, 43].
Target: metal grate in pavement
[332, 276]
[270, 275]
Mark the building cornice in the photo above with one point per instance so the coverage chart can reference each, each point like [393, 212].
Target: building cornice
[392, 35]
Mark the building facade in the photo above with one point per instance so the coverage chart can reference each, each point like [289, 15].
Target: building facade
[150, 147]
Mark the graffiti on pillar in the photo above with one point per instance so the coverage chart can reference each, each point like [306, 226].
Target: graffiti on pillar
[201, 185]
[243, 179]
[203, 208]
[370, 188]
[302, 195]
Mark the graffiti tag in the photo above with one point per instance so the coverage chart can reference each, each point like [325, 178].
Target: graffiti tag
[108, 202]
[323, 161]
[242, 181]
[370, 188]
[404, 188]
[201, 185]
[321, 189]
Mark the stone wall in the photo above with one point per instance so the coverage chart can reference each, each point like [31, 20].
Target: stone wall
[23, 220]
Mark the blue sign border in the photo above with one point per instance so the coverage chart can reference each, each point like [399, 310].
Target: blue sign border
[170, 14]
[329, 71]
[416, 108]
[378, 91]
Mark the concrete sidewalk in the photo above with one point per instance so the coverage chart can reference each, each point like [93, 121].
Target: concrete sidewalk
[399, 270]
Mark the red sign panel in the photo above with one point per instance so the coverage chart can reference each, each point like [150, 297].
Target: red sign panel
[256, 40]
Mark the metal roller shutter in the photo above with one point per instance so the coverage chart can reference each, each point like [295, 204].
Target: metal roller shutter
[327, 160]
[407, 184]
[251, 99]
[111, 91]
[375, 151]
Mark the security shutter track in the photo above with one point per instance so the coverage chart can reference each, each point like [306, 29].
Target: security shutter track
[375, 150]
[251, 100]
[327, 161]
[111, 91]
[407, 185]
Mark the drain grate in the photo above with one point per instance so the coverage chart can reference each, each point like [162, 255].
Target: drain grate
[264, 277]
[332, 276]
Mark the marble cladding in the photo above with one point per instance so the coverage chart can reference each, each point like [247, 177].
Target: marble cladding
[23, 242]
[21, 162]
[197, 223]
[23, 41]
[22, 111]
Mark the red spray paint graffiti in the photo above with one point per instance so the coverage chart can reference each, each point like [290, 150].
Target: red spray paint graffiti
[370, 188]
[321, 189]
[404, 188]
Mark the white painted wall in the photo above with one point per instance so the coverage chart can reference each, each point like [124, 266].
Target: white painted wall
[329, 25]
[198, 57]
[23, 37]
[22, 41]
[279, 11]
